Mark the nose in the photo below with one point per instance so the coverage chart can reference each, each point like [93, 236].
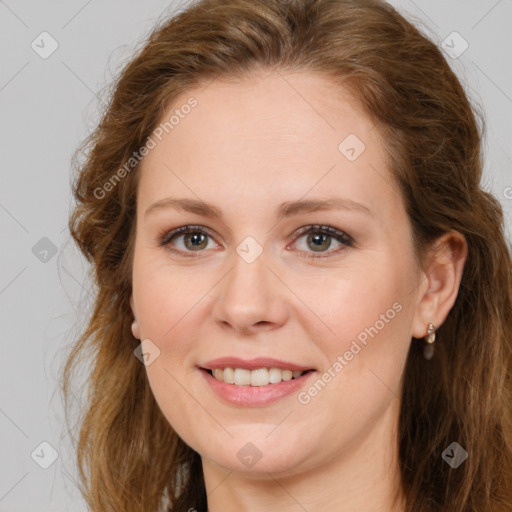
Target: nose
[251, 298]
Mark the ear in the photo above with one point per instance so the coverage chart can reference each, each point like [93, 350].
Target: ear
[440, 281]
[135, 324]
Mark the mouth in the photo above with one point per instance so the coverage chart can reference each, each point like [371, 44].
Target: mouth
[254, 382]
[254, 378]
[258, 387]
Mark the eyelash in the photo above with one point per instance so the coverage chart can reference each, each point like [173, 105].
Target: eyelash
[165, 237]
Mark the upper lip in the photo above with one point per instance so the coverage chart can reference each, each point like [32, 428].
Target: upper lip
[252, 364]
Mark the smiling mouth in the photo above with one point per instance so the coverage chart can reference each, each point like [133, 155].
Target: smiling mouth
[254, 378]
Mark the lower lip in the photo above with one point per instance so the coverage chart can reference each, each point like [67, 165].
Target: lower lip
[255, 396]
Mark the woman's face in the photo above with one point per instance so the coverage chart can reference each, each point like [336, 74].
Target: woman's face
[250, 283]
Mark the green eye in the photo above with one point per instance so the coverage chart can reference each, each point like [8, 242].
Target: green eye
[194, 239]
[319, 238]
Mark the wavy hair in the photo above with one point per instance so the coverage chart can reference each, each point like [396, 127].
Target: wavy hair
[433, 137]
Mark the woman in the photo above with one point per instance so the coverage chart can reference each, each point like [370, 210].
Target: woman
[304, 294]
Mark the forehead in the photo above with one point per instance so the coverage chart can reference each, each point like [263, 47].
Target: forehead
[270, 137]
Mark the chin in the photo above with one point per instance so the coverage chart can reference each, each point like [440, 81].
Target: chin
[260, 469]
[258, 457]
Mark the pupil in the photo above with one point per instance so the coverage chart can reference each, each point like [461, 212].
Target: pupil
[196, 240]
[317, 240]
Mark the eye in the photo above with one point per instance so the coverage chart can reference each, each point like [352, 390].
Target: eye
[195, 239]
[320, 239]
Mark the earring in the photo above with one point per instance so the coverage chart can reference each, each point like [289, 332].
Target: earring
[430, 338]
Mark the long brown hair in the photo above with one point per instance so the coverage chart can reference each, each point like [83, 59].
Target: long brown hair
[129, 457]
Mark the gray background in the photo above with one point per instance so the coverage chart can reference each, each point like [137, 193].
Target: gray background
[47, 107]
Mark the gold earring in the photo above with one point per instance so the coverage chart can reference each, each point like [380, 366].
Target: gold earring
[430, 338]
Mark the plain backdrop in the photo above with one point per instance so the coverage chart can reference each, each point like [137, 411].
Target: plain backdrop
[55, 57]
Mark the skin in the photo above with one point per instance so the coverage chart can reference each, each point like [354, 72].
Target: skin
[248, 147]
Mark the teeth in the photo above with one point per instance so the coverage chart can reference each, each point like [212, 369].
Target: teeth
[259, 377]
[219, 374]
[242, 377]
[274, 375]
[229, 375]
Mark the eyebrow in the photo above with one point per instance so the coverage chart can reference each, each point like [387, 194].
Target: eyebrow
[286, 209]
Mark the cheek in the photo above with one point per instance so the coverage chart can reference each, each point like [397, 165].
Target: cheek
[361, 304]
[364, 360]
[166, 296]
[369, 318]
[170, 304]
